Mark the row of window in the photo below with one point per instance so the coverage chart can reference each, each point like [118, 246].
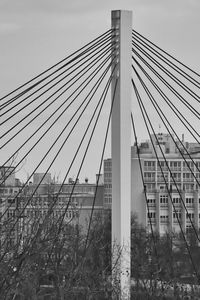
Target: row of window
[186, 187]
[164, 200]
[176, 215]
[9, 201]
[8, 191]
[176, 200]
[151, 176]
[57, 213]
[172, 164]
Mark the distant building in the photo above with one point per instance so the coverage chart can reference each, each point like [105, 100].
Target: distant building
[7, 176]
[38, 178]
[31, 204]
[107, 182]
[75, 201]
[9, 189]
[159, 187]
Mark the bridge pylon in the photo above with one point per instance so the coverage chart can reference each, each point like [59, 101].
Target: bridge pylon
[121, 154]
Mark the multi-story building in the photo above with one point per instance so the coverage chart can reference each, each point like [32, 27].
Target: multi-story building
[107, 183]
[9, 198]
[74, 201]
[24, 208]
[9, 188]
[165, 190]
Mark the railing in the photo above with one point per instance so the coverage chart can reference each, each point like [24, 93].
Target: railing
[162, 179]
[178, 169]
[146, 179]
[162, 169]
[172, 179]
[146, 168]
[188, 179]
[163, 205]
[153, 221]
[187, 169]
[175, 220]
[164, 221]
[189, 205]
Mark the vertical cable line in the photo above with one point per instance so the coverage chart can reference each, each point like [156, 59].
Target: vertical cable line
[158, 110]
[142, 108]
[52, 86]
[188, 68]
[143, 182]
[180, 98]
[97, 84]
[101, 101]
[168, 73]
[108, 32]
[175, 110]
[83, 71]
[94, 73]
[167, 61]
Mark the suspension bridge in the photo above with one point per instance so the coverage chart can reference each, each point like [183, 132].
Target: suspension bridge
[67, 110]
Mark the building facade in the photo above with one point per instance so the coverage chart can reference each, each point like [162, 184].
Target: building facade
[24, 210]
[74, 201]
[165, 189]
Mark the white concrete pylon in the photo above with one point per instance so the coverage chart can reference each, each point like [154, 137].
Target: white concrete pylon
[121, 153]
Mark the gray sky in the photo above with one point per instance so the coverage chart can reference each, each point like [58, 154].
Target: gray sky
[35, 34]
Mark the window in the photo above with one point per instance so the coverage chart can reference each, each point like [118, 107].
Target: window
[10, 213]
[11, 200]
[189, 200]
[189, 216]
[176, 200]
[177, 215]
[188, 228]
[175, 165]
[163, 199]
[150, 187]
[162, 177]
[162, 187]
[188, 187]
[188, 165]
[151, 202]
[149, 176]
[188, 177]
[175, 177]
[151, 215]
[164, 218]
[149, 165]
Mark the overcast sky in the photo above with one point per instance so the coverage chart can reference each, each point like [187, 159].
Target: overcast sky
[35, 34]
